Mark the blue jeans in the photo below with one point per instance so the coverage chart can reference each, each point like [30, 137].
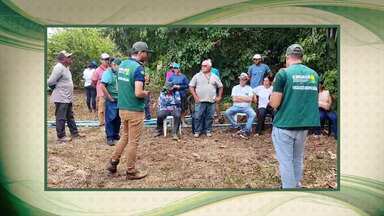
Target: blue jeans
[147, 110]
[204, 112]
[289, 147]
[112, 120]
[233, 110]
[331, 117]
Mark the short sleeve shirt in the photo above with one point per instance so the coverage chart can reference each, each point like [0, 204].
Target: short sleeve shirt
[257, 73]
[215, 72]
[97, 78]
[242, 91]
[263, 94]
[299, 106]
[206, 86]
[109, 79]
[130, 71]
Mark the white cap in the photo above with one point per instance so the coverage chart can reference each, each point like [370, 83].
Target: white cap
[257, 56]
[207, 62]
[65, 53]
[243, 75]
[104, 56]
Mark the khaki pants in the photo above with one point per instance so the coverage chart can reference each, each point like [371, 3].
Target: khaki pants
[132, 128]
[101, 109]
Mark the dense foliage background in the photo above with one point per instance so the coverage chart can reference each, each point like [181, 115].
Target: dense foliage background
[230, 48]
[86, 44]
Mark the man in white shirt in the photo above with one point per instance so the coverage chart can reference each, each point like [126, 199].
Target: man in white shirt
[90, 90]
[242, 96]
[263, 94]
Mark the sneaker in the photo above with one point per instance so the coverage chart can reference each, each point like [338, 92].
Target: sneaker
[196, 135]
[112, 166]
[158, 133]
[243, 135]
[110, 142]
[175, 137]
[136, 175]
[78, 135]
[209, 134]
[63, 140]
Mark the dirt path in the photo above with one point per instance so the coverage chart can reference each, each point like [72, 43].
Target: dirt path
[221, 161]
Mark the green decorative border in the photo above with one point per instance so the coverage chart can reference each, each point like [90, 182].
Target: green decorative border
[362, 195]
[46, 188]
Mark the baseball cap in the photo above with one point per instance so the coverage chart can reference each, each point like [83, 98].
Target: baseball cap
[257, 56]
[116, 61]
[63, 54]
[93, 64]
[140, 46]
[176, 65]
[243, 76]
[295, 49]
[104, 56]
[206, 63]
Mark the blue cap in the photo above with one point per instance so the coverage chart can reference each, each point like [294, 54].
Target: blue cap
[175, 65]
[93, 64]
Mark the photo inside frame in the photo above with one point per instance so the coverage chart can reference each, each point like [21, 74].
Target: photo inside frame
[85, 130]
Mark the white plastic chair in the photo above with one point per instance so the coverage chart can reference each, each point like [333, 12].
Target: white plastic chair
[169, 121]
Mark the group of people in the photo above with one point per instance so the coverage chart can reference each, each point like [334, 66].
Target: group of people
[291, 98]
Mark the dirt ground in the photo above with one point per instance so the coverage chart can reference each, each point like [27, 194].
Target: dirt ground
[222, 161]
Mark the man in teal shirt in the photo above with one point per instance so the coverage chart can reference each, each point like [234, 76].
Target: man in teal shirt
[295, 96]
[109, 88]
[130, 101]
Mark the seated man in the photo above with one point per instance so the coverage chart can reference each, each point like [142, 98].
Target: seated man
[326, 113]
[263, 93]
[169, 104]
[242, 96]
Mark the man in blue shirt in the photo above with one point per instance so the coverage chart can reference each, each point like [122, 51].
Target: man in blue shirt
[257, 71]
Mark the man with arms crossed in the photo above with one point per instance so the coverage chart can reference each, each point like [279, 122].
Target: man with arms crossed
[295, 93]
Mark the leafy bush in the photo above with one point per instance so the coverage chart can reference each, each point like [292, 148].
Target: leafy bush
[231, 49]
[86, 44]
[330, 82]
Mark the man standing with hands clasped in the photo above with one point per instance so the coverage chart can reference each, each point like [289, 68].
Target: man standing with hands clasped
[61, 82]
[295, 93]
[130, 101]
[203, 87]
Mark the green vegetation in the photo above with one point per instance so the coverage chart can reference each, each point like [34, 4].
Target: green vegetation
[86, 44]
[230, 48]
